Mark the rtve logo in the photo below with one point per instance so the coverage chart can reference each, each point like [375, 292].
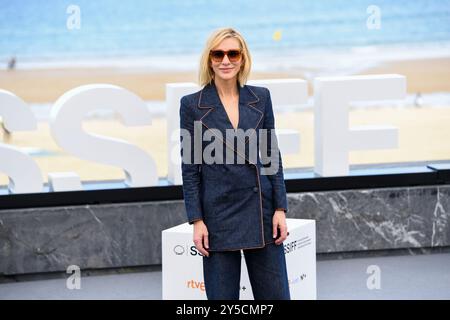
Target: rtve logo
[186, 250]
[200, 285]
[192, 284]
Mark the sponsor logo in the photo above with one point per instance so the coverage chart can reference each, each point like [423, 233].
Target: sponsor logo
[179, 250]
[297, 279]
[296, 244]
[197, 285]
[190, 250]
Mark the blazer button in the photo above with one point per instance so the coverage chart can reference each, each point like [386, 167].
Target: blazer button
[255, 189]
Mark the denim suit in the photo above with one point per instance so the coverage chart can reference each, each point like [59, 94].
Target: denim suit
[235, 201]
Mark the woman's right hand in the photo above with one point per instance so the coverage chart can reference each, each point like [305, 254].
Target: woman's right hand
[201, 237]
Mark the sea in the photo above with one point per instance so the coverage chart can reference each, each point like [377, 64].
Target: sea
[323, 37]
[171, 34]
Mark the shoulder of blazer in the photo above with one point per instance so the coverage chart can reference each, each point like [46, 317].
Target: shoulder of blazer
[191, 98]
[189, 103]
[261, 92]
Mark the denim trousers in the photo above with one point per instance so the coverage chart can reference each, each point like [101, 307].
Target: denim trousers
[266, 269]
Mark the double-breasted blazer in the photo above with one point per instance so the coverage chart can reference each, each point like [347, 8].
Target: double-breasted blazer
[235, 201]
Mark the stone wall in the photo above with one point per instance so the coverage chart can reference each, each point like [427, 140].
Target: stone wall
[129, 234]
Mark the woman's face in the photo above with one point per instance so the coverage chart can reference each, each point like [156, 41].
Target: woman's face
[225, 69]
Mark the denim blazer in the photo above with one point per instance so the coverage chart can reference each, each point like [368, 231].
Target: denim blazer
[235, 201]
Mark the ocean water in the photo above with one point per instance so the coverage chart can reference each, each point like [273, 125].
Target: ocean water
[155, 32]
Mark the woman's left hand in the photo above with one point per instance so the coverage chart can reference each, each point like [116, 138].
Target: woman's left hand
[279, 222]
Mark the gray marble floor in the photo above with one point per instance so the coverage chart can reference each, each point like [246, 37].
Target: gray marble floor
[401, 277]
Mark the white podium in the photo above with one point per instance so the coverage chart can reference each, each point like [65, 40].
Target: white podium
[182, 266]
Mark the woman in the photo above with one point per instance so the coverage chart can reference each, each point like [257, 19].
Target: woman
[235, 206]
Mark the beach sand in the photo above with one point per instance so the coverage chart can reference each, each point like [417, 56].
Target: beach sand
[47, 85]
[424, 75]
[424, 133]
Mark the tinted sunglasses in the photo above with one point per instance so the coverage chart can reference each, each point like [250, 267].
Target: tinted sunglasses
[218, 55]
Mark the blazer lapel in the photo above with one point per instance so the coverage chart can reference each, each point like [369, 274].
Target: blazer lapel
[216, 117]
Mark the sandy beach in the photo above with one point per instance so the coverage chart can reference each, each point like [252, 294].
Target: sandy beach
[423, 132]
[423, 75]
[47, 85]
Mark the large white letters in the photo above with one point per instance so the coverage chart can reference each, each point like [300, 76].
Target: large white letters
[66, 119]
[333, 137]
[23, 172]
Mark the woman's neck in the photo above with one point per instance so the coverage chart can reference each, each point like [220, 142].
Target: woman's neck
[226, 88]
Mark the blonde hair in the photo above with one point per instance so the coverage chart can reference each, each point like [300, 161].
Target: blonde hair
[206, 73]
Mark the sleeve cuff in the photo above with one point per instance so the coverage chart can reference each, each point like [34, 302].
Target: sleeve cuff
[192, 221]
